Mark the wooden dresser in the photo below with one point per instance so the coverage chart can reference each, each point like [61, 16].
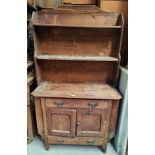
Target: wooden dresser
[77, 57]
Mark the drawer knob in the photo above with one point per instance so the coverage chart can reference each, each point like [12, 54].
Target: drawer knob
[61, 141]
[90, 142]
[92, 105]
[59, 104]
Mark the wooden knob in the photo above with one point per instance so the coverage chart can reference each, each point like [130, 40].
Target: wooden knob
[90, 141]
[59, 104]
[61, 141]
[92, 105]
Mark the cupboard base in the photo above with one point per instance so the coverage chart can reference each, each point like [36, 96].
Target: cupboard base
[76, 141]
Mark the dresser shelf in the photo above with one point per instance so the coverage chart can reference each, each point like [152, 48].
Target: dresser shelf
[76, 90]
[75, 58]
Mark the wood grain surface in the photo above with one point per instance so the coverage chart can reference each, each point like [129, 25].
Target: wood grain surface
[76, 90]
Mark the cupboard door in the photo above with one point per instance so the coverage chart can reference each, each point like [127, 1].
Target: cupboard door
[61, 122]
[92, 122]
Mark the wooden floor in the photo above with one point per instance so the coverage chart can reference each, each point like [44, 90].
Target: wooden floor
[37, 148]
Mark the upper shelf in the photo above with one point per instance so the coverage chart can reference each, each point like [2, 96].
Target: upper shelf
[75, 58]
[84, 17]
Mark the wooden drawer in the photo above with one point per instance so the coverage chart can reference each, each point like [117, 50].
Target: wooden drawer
[74, 103]
[76, 140]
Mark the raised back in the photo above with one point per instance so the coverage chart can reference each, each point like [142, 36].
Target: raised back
[78, 41]
[86, 36]
[77, 71]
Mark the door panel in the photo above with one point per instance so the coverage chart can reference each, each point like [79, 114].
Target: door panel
[61, 122]
[92, 122]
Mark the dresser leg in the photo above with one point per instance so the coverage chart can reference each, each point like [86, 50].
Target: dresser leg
[46, 144]
[104, 149]
[46, 147]
[29, 140]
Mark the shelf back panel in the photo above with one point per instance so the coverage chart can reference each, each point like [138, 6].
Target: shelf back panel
[77, 41]
[75, 16]
[76, 71]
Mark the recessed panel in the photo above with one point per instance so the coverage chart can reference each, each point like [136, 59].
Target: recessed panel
[77, 71]
[90, 123]
[60, 123]
[77, 41]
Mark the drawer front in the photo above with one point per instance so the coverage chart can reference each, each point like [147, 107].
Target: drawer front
[76, 103]
[76, 140]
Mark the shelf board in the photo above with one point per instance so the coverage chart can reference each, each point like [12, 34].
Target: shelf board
[76, 90]
[74, 26]
[75, 58]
